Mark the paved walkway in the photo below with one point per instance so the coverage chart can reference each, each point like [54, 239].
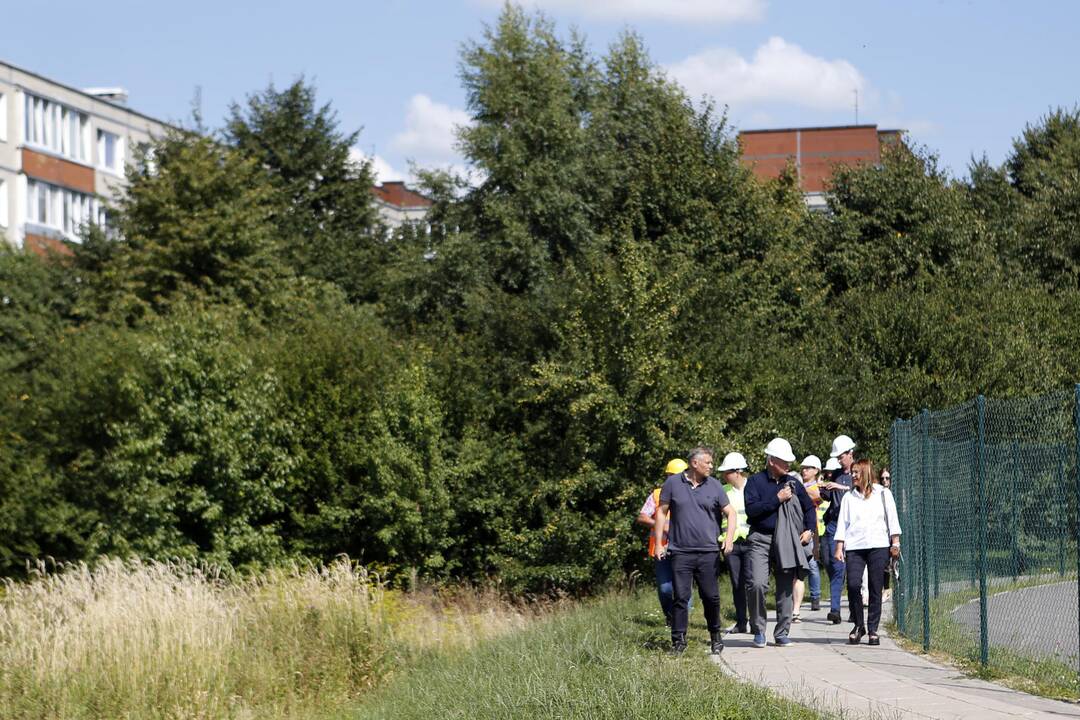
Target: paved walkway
[822, 671]
[1039, 621]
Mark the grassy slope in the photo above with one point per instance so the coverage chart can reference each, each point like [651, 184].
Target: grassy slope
[604, 660]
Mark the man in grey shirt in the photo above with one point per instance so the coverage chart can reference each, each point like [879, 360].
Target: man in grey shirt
[694, 503]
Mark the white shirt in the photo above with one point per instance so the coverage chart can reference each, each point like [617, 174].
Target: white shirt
[861, 524]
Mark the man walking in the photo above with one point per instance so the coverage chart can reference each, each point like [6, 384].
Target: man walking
[647, 517]
[770, 543]
[843, 450]
[691, 506]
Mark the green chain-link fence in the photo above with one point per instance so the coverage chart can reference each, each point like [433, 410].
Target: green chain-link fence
[987, 494]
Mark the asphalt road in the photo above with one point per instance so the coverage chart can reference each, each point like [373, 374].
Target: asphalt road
[1037, 621]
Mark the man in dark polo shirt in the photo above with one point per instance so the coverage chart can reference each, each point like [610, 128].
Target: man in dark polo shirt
[694, 502]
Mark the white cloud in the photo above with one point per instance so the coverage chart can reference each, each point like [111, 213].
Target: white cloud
[383, 171]
[429, 134]
[779, 72]
[683, 11]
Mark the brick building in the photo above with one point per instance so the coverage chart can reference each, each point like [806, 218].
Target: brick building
[814, 152]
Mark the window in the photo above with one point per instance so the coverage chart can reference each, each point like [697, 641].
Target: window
[3, 117]
[110, 151]
[59, 208]
[56, 127]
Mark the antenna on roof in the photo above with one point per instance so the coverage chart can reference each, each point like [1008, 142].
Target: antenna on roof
[856, 106]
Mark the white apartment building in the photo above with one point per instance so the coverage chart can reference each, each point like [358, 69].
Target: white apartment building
[62, 155]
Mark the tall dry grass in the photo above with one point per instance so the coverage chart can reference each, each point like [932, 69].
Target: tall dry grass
[175, 640]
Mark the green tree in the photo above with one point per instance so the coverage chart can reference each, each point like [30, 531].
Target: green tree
[197, 218]
[1044, 167]
[324, 210]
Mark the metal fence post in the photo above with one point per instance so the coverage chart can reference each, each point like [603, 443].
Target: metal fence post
[894, 463]
[935, 511]
[1076, 470]
[980, 471]
[1015, 457]
[1063, 520]
[925, 550]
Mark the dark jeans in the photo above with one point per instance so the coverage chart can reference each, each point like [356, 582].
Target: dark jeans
[874, 560]
[688, 569]
[833, 568]
[665, 590]
[739, 570]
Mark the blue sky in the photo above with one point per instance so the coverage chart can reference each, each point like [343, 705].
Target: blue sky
[962, 77]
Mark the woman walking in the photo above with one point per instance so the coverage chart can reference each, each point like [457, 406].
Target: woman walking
[867, 533]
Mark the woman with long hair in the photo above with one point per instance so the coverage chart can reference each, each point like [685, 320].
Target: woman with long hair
[867, 534]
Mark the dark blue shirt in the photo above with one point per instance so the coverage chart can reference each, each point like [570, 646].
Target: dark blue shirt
[835, 497]
[694, 513]
[762, 505]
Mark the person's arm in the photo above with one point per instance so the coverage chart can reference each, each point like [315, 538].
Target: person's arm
[759, 504]
[732, 521]
[658, 530]
[648, 510]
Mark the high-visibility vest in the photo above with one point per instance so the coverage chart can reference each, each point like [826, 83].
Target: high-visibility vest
[735, 497]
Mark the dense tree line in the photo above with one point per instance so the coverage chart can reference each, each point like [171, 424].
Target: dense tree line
[251, 368]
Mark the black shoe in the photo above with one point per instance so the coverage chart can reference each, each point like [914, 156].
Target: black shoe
[815, 604]
[716, 643]
[874, 639]
[833, 617]
[678, 645]
[740, 630]
[856, 635]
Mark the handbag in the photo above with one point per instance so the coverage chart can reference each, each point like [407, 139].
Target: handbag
[893, 566]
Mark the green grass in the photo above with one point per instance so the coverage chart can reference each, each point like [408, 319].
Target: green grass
[959, 645]
[607, 659]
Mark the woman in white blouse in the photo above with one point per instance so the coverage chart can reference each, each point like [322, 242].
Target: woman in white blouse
[867, 533]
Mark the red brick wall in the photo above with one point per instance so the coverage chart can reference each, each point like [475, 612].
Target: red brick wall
[820, 150]
[59, 172]
[44, 245]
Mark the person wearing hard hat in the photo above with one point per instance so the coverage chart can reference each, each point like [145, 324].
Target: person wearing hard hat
[778, 533]
[695, 503]
[808, 470]
[662, 566]
[733, 472]
[843, 451]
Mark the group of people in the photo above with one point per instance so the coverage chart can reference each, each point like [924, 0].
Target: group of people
[773, 524]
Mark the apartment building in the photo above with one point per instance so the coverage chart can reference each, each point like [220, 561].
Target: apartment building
[62, 156]
[815, 152]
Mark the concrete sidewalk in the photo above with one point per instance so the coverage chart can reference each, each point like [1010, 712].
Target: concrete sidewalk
[822, 671]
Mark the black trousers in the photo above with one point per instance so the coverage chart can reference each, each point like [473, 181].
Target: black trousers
[739, 570]
[874, 560]
[688, 569]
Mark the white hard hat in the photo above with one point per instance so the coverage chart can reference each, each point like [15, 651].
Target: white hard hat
[841, 445]
[811, 461]
[780, 449]
[732, 461]
[832, 464]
